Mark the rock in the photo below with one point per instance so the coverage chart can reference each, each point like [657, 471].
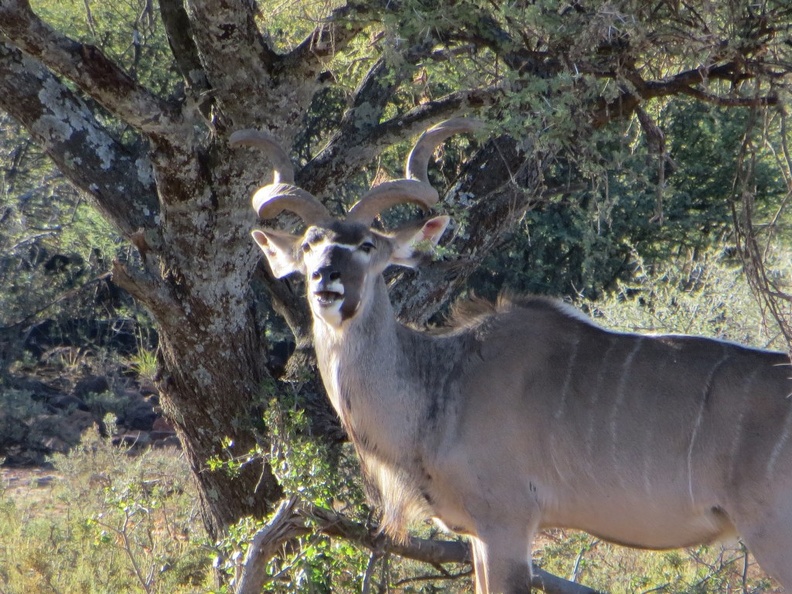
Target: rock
[133, 440]
[55, 444]
[59, 416]
[138, 415]
[58, 433]
[66, 402]
[170, 441]
[163, 434]
[46, 427]
[19, 456]
[81, 420]
[38, 390]
[92, 384]
[162, 424]
[13, 431]
[147, 388]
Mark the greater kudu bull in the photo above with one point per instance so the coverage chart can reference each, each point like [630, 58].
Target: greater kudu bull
[526, 414]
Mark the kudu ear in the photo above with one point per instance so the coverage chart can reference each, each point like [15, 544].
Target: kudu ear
[411, 243]
[278, 246]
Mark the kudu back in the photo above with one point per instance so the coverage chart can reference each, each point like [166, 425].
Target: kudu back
[525, 414]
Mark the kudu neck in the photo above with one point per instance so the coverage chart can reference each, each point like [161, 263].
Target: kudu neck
[367, 366]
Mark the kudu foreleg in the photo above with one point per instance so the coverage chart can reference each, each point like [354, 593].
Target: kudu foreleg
[502, 562]
[768, 535]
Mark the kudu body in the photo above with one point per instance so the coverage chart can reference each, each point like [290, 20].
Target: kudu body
[528, 415]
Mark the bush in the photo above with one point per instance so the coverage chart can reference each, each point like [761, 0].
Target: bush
[109, 522]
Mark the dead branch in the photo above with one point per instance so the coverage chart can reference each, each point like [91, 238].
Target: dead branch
[265, 544]
[293, 519]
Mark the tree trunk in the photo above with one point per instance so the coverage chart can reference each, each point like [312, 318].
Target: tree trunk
[210, 408]
[212, 354]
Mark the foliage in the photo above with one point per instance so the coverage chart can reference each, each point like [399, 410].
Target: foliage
[586, 242]
[108, 522]
[317, 473]
[606, 567]
[40, 211]
[113, 522]
[705, 295]
[56, 246]
[144, 363]
[21, 404]
[55, 257]
[128, 32]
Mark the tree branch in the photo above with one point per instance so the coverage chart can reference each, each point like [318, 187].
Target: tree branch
[683, 83]
[764, 101]
[485, 31]
[329, 37]
[86, 66]
[495, 190]
[292, 519]
[178, 30]
[346, 154]
[265, 544]
[366, 109]
[361, 135]
[286, 303]
[144, 287]
[120, 181]
[237, 61]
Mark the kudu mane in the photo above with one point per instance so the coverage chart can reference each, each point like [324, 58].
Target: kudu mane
[469, 313]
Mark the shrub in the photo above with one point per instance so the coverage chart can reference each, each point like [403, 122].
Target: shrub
[110, 522]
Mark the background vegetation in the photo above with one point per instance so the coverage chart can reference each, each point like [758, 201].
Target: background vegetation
[644, 223]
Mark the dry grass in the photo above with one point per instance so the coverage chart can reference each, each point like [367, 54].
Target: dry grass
[102, 521]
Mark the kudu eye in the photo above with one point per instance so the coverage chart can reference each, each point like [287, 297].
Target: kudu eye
[305, 248]
[367, 246]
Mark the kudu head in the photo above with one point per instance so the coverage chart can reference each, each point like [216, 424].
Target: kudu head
[341, 259]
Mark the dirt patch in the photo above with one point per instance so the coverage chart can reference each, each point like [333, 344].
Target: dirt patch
[24, 479]
[29, 488]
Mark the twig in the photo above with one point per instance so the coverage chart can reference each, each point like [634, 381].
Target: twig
[372, 563]
[444, 575]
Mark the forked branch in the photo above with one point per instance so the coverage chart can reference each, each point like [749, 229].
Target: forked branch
[237, 60]
[293, 518]
[346, 154]
[331, 35]
[92, 71]
[178, 29]
[685, 83]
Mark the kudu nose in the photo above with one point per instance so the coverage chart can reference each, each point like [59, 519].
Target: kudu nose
[326, 273]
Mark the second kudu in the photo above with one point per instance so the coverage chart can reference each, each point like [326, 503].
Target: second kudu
[525, 414]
